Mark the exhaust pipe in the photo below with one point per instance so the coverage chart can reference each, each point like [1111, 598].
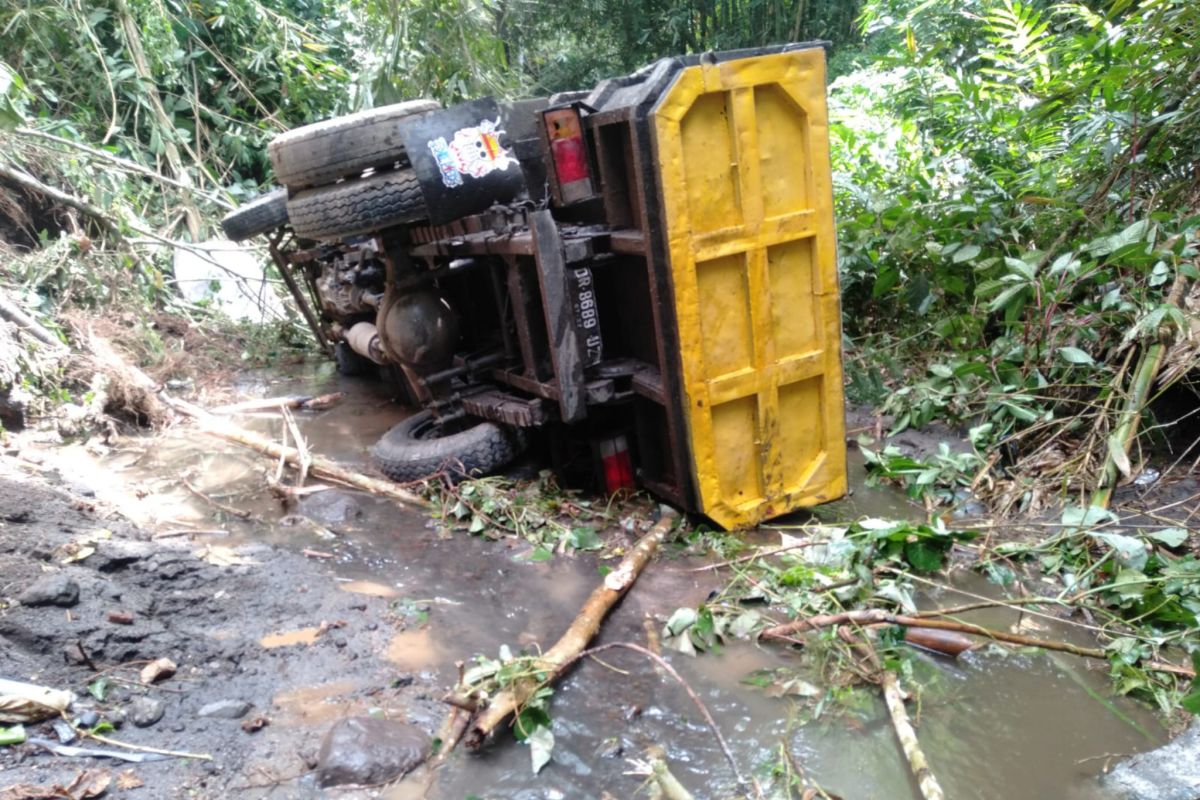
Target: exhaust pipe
[363, 338]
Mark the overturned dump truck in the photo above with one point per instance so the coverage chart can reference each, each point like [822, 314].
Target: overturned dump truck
[640, 278]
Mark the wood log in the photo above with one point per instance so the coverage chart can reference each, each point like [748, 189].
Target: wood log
[564, 652]
[873, 616]
[301, 402]
[319, 467]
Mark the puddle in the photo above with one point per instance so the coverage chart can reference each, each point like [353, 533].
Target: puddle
[303, 636]
[323, 703]
[414, 650]
[369, 588]
[994, 725]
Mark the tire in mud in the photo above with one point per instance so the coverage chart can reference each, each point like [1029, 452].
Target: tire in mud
[362, 205]
[261, 215]
[343, 147]
[418, 448]
[349, 362]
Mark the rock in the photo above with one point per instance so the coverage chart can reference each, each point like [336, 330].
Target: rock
[145, 711]
[117, 717]
[225, 709]
[331, 505]
[52, 590]
[1171, 772]
[365, 750]
[88, 719]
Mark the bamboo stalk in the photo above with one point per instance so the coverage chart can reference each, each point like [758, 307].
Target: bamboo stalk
[893, 698]
[1148, 366]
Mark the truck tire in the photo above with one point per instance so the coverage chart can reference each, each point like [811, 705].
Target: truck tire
[361, 205]
[349, 362]
[317, 154]
[261, 215]
[418, 448]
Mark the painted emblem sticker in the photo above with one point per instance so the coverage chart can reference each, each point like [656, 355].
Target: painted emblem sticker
[472, 151]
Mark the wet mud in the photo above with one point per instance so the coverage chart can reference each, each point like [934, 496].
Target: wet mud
[375, 623]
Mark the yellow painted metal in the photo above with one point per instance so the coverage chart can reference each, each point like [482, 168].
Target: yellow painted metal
[743, 147]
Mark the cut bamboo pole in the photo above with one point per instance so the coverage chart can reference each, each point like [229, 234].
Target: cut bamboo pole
[564, 652]
[320, 467]
[893, 698]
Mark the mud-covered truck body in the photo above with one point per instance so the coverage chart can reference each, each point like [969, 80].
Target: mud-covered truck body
[646, 272]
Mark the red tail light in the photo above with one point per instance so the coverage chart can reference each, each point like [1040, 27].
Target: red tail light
[618, 466]
[568, 150]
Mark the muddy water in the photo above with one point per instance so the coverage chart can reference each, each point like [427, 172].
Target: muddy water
[994, 724]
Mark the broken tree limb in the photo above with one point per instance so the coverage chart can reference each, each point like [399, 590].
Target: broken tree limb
[568, 648]
[303, 457]
[320, 467]
[13, 313]
[872, 616]
[301, 402]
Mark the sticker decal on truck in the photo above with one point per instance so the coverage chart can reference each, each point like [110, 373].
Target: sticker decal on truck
[474, 151]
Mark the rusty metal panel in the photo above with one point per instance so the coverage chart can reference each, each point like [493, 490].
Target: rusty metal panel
[748, 214]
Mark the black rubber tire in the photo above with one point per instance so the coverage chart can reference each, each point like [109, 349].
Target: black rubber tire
[362, 205]
[349, 362]
[343, 147]
[261, 215]
[415, 449]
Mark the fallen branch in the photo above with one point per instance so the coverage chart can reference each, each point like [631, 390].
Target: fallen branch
[237, 512]
[13, 313]
[320, 467]
[569, 648]
[303, 457]
[872, 616]
[27, 181]
[302, 402]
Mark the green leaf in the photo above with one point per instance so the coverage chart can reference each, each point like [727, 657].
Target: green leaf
[541, 745]
[923, 556]
[585, 538]
[541, 554]
[99, 688]
[1191, 703]
[966, 253]
[529, 721]
[14, 734]
[1116, 451]
[1171, 537]
[1073, 355]
[1130, 552]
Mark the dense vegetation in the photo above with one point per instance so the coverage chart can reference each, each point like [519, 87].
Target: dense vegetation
[1015, 181]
